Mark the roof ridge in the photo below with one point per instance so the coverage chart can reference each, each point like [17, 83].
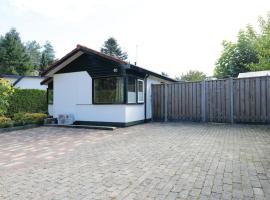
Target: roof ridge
[100, 53]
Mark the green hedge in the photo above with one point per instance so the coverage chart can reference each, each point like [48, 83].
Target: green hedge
[27, 100]
[21, 119]
[5, 122]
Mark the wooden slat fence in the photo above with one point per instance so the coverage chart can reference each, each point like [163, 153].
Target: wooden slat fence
[245, 100]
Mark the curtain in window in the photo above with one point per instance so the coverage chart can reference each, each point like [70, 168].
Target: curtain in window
[109, 90]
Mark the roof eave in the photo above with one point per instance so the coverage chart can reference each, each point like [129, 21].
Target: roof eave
[152, 73]
[46, 81]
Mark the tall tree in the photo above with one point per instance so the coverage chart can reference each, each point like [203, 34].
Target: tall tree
[251, 52]
[236, 57]
[111, 48]
[263, 46]
[13, 56]
[192, 75]
[33, 50]
[47, 56]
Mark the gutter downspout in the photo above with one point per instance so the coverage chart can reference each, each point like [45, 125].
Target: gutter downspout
[145, 97]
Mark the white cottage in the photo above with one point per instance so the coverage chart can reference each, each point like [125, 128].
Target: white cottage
[97, 89]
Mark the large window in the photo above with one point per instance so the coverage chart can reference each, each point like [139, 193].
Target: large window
[131, 90]
[109, 90]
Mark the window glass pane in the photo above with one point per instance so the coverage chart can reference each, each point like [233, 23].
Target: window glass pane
[109, 90]
[140, 91]
[131, 90]
[50, 96]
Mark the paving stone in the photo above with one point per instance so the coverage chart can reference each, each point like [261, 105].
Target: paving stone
[206, 190]
[149, 161]
[195, 192]
[258, 192]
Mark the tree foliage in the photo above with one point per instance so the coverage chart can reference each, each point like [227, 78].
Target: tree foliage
[111, 48]
[13, 56]
[262, 46]
[192, 75]
[164, 74]
[251, 51]
[33, 49]
[23, 59]
[6, 90]
[47, 56]
[236, 57]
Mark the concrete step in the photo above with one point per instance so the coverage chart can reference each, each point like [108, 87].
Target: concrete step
[111, 128]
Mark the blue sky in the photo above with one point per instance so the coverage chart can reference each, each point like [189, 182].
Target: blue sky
[173, 36]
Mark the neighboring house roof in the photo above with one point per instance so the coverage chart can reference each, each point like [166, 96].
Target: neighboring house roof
[18, 77]
[9, 76]
[254, 74]
[18, 80]
[79, 50]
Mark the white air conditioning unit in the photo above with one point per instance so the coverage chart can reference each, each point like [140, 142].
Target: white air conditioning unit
[65, 119]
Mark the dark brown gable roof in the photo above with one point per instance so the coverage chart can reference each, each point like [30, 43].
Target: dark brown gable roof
[54, 65]
[88, 50]
[101, 54]
[83, 49]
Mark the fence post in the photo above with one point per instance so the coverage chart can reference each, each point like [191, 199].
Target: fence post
[203, 99]
[231, 100]
[165, 102]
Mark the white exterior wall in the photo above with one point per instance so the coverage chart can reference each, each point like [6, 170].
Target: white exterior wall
[134, 112]
[73, 95]
[71, 89]
[30, 83]
[100, 113]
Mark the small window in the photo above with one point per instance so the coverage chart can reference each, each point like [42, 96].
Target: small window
[140, 92]
[131, 90]
[109, 90]
[50, 96]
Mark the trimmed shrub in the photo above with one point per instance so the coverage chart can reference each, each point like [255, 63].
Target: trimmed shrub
[28, 101]
[29, 118]
[5, 122]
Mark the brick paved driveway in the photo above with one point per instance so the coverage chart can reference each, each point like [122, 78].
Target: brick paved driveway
[150, 161]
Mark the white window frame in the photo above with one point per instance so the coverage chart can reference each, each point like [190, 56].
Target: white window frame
[140, 80]
[135, 83]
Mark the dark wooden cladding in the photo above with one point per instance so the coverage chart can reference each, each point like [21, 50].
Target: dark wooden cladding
[95, 66]
[245, 100]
